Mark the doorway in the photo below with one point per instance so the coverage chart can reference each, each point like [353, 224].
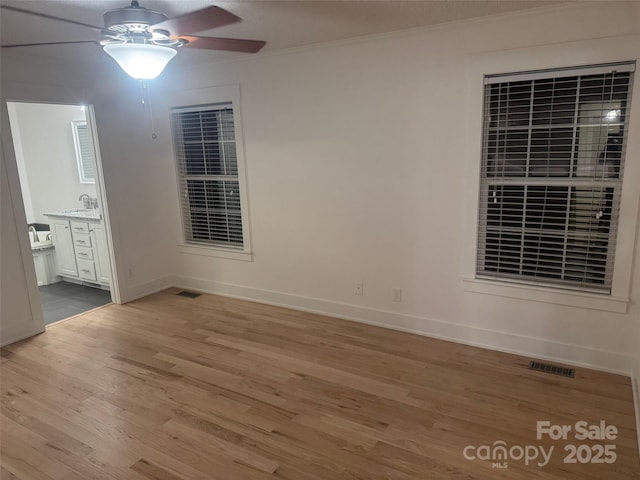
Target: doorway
[58, 169]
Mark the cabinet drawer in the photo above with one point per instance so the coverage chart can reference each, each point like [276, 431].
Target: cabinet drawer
[87, 270]
[82, 240]
[84, 253]
[80, 227]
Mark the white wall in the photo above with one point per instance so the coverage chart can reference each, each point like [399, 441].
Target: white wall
[138, 173]
[45, 153]
[359, 158]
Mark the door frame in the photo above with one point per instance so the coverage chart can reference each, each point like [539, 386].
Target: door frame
[36, 323]
[102, 198]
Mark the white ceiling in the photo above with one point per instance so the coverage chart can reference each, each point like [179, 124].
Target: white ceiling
[282, 24]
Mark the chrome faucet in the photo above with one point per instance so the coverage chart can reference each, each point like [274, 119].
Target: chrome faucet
[86, 200]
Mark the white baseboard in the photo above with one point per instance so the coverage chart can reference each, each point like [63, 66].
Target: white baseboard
[470, 335]
[136, 291]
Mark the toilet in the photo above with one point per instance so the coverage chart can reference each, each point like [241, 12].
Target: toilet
[44, 258]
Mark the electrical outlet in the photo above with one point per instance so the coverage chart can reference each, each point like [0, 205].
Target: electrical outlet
[397, 294]
[131, 274]
[359, 288]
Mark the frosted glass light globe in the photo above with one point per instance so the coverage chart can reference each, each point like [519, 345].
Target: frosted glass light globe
[141, 61]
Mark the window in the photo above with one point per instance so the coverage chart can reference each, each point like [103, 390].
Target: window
[205, 148]
[552, 166]
[84, 157]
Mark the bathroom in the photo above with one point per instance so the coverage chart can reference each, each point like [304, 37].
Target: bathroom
[69, 241]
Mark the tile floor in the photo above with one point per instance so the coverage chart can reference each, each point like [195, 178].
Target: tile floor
[63, 299]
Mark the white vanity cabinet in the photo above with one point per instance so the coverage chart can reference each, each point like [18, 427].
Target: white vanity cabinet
[81, 250]
[63, 242]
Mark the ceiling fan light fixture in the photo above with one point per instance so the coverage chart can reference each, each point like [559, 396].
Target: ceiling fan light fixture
[141, 61]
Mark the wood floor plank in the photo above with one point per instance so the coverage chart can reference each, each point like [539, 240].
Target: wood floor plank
[153, 471]
[24, 460]
[214, 388]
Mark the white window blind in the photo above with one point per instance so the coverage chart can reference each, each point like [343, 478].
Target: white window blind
[552, 166]
[84, 156]
[205, 148]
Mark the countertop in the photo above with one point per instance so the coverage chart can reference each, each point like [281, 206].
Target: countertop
[77, 214]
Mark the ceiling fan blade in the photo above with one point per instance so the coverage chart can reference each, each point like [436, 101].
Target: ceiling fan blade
[197, 21]
[229, 44]
[51, 17]
[49, 43]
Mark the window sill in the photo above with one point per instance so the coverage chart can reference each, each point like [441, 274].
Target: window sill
[569, 298]
[216, 252]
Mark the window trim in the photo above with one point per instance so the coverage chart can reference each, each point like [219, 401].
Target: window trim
[82, 175]
[203, 97]
[601, 51]
[522, 291]
[214, 251]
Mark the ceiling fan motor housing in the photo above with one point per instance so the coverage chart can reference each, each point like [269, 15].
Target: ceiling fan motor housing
[133, 19]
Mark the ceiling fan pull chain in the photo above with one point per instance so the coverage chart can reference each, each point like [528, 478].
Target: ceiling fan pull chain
[142, 93]
[145, 100]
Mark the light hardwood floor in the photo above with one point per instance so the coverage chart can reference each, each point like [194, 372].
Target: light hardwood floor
[213, 388]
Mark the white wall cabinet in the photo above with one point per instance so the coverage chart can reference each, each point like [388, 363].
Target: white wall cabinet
[82, 251]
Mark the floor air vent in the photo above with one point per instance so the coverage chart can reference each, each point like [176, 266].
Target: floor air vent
[186, 294]
[547, 368]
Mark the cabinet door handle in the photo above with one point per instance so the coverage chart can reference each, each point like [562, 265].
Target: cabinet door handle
[86, 271]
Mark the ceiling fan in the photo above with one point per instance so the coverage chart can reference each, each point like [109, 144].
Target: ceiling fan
[143, 41]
